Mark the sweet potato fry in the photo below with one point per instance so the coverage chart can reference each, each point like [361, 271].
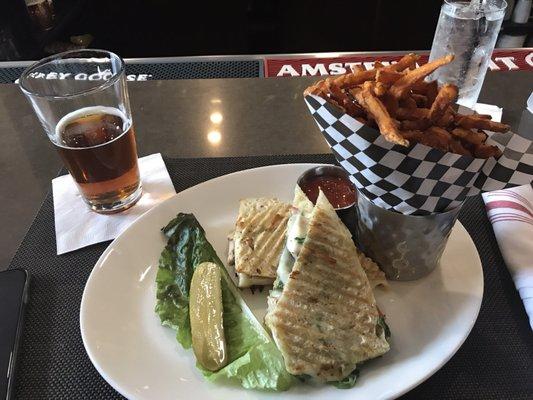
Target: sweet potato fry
[407, 109]
[431, 140]
[440, 132]
[380, 89]
[402, 86]
[354, 109]
[428, 89]
[388, 77]
[469, 136]
[317, 89]
[328, 92]
[420, 87]
[447, 119]
[475, 122]
[417, 125]
[411, 114]
[407, 61]
[441, 139]
[377, 110]
[354, 91]
[407, 102]
[438, 137]
[334, 91]
[412, 136]
[432, 90]
[347, 81]
[486, 151]
[420, 100]
[457, 148]
[446, 96]
[391, 104]
[342, 99]
[438, 141]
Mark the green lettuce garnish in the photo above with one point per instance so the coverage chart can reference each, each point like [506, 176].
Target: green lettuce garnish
[348, 382]
[253, 359]
[382, 324]
[262, 367]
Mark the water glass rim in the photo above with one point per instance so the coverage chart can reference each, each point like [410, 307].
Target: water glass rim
[499, 8]
[65, 55]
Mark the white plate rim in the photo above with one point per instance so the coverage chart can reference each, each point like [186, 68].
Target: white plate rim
[116, 386]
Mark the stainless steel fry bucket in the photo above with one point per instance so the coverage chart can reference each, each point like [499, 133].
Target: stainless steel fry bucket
[406, 247]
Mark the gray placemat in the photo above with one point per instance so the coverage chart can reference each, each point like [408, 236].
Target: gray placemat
[496, 361]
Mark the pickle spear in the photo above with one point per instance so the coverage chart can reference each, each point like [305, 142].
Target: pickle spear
[207, 329]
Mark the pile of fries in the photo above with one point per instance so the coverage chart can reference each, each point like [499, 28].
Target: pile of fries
[406, 108]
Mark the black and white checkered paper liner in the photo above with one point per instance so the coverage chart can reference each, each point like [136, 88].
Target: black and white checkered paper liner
[417, 179]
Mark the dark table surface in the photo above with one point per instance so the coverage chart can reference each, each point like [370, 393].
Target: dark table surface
[259, 117]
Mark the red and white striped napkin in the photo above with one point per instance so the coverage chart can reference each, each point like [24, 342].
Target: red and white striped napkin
[510, 212]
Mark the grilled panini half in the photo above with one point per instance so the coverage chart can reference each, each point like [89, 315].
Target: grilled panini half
[259, 239]
[325, 321]
[297, 227]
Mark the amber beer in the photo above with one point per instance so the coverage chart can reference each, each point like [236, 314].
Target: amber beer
[98, 147]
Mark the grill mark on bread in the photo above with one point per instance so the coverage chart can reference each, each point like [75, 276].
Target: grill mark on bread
[260, 236]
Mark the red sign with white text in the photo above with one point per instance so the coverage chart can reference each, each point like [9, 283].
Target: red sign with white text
[502, 60]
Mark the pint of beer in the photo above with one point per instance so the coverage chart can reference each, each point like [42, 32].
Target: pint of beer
[82, 102]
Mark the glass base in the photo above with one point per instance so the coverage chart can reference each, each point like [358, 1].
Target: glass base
[117, 206]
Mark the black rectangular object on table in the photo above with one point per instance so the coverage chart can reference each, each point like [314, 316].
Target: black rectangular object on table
[495, 362]
[174, 70]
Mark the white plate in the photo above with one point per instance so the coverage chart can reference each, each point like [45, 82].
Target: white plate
[429, 318]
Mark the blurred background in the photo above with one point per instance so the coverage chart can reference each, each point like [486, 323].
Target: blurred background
[32, 29]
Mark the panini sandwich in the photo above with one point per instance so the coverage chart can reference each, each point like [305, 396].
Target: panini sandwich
[258, 239]
[322, 311]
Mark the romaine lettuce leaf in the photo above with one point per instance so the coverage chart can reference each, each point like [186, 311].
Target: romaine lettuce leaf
[261, 367]
[186, 248]
[348, 382]
[253, 359]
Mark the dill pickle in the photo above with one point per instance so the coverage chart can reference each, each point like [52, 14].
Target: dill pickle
[208, 341]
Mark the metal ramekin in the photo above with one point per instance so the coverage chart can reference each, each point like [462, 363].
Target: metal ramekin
[406, 247]
[347, 214]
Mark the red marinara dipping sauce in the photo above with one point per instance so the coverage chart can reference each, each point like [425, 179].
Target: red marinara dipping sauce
[339, 191]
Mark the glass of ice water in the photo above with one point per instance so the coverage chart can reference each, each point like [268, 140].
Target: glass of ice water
[469, 30]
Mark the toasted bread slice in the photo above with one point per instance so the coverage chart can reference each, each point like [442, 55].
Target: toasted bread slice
[375, 275]
[259, 238]
[302, 202]
[326, 319]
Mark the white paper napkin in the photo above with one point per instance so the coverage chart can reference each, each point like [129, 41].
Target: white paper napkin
[76, 226]
[510, 212]
[494, 111]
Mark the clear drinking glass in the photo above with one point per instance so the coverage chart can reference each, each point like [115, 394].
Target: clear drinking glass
[81, 100]
[469, 30]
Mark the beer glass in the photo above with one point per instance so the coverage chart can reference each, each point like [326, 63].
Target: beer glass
[81, 100]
